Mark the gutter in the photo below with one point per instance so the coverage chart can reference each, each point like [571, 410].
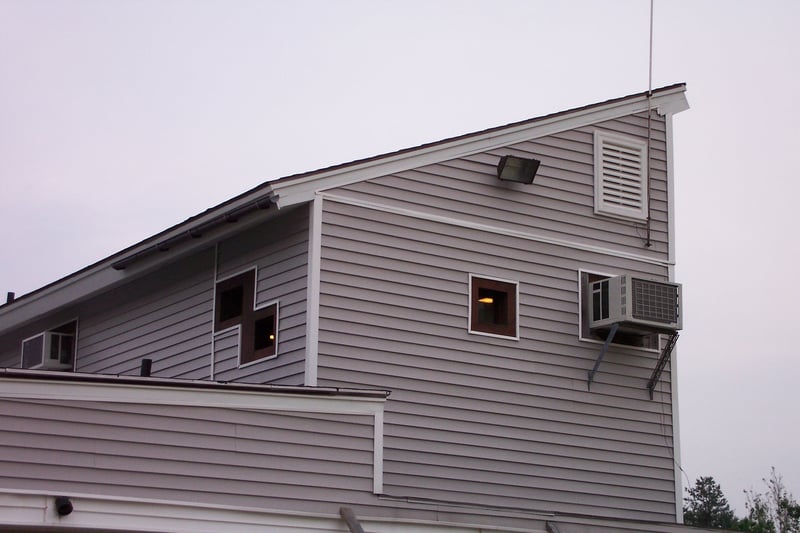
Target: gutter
[196, 231]
[51, 375]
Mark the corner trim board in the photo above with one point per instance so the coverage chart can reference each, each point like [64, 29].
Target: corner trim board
[312, 292]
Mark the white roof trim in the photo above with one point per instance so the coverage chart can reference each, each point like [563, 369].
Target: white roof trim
[301, 190]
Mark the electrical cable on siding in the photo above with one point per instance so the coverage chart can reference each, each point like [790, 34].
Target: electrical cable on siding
[648, 243]
[212, 374]
[670, 446]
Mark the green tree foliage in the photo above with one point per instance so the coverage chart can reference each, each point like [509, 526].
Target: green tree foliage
[776, 511]
[706, 506]
[757, 519]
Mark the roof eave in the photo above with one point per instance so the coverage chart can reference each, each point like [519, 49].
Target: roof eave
[302, 188]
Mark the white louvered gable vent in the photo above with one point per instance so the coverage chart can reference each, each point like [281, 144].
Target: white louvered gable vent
[620, 175]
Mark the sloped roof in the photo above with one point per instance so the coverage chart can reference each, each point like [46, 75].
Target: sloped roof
[293, 190]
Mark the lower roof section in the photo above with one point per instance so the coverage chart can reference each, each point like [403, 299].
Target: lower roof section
[134, 382]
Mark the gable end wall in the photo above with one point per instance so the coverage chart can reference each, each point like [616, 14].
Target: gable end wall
[508, 422]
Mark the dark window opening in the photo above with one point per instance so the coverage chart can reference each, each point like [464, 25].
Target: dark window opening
[493, 307]
[264, 334]
[230, 303]
[233, 299]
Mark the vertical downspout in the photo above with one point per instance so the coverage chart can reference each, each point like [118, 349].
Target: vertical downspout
[312, 292]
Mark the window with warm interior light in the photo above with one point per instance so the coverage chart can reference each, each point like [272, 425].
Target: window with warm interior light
[235, 307]
[493, 307]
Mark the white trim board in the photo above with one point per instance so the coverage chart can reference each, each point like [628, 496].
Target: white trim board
[300, 190]
[673, 363]
[493, 229]
[312, 292]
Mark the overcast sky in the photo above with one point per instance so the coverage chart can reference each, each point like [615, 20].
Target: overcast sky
[121, 118]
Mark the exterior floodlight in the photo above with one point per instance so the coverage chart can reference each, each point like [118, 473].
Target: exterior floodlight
[517, 169]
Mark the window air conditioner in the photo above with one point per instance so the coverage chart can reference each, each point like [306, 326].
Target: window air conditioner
[638, 305]
[48, 351]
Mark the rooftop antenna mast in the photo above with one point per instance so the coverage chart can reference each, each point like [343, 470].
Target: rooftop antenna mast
[648, 243]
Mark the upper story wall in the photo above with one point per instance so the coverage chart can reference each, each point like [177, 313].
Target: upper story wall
[501, 421]
[167, 315]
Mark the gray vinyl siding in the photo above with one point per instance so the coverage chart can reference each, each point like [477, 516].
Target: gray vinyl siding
[279, 252]
[167, 316]
[497, 421]
[560, 202]
[270, 460]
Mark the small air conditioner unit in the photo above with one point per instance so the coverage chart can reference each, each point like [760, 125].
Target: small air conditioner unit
[636, 304]
[48, 351]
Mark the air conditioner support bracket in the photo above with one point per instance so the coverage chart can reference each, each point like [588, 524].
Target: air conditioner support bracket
[662, 362]
[603, 351]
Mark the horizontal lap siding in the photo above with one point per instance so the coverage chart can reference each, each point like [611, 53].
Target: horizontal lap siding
[473, 418]
[202, 455]
[165, 317]
[279, 251]
[560, 202]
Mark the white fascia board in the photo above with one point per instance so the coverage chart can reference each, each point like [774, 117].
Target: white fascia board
[301, 190]
[38, 389]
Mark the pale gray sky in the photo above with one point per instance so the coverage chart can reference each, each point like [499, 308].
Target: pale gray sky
[121, 118]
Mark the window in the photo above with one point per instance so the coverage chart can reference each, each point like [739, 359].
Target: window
[264, 335]
[620, 176]
[596, 295]
[235, 307]
[493, 307]
[51, 350]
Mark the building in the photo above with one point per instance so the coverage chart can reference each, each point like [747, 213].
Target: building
[400, 343]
